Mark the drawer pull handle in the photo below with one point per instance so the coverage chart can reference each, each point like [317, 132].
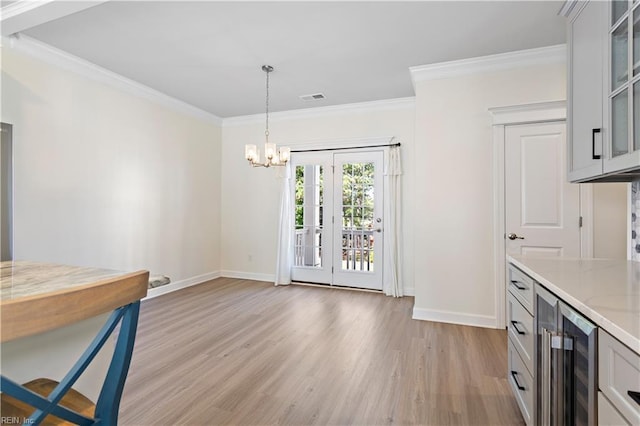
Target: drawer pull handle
[515, 327]
[635, 396]
[519, 287]
[515, 379]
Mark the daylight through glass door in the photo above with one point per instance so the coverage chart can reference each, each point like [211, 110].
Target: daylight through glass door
[338, 233]
[358, 234]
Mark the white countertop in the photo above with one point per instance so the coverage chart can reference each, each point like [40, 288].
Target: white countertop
[606, 291]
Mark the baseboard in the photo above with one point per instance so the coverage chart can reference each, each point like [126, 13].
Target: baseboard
[248, 276]
[171, 287]
[484, 321]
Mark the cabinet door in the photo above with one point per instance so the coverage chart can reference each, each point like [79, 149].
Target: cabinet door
[622, 151]
[586, 35]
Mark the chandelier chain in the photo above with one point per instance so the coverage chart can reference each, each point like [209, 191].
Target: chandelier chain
[266, 132]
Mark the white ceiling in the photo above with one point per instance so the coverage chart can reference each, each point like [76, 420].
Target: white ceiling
[209, 54]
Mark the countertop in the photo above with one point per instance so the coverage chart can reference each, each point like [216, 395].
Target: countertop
[606, 291]
[37, 297]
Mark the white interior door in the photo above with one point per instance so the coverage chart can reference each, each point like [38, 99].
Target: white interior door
[339, 228]
[542, 210]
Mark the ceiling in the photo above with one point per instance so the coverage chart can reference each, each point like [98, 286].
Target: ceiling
[209, 54]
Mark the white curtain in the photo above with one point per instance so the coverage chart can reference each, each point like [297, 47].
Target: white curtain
[392, 277]
[285, 230]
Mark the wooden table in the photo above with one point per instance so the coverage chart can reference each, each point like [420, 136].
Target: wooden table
[39, 297]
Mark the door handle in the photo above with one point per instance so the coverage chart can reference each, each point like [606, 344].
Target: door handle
[513, 236]
[593, 144]
[378, 229]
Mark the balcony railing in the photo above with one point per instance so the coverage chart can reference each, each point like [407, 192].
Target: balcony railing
[357, 248]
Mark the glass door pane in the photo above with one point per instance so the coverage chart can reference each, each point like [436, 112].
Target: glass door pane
[618, 8]
[620, 124]
[636, 41]
[309, 219]
[619, 55]
[358, 235]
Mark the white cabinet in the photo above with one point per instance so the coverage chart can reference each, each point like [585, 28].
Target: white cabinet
[607, 414]
[586, 75]
[604, 91]
[619, 378]
[520, 341]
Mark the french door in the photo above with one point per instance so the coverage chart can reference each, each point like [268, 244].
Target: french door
[339, 228]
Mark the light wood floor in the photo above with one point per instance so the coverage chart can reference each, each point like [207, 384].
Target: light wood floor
[243, 352]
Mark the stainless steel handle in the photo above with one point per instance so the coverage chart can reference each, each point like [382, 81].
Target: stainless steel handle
[513, 236]
[545, 374]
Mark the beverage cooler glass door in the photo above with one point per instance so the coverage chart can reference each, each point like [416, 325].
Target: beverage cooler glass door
[578, 359]
[546, 314]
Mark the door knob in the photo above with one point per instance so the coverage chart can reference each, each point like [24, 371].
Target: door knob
[513, 236]
[379, 230]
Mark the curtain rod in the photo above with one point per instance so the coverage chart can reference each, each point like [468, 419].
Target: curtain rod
[349, 147]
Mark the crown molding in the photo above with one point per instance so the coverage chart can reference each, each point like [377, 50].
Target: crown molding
[360, 107]
[59, 58]
[501, 61]
[24, 14]
[528, 113]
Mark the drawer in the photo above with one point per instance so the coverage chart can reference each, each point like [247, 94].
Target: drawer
[521, 286]
[607, 414]
[619, 373]
[520, 325]
[521, 383]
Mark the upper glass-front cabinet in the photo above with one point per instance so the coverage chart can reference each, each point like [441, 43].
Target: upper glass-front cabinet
[624, 85]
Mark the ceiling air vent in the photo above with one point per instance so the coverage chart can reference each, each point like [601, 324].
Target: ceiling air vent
[314, 97]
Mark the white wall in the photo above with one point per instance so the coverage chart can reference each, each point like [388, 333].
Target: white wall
[251, 197]
[104, 178]
[453, 192]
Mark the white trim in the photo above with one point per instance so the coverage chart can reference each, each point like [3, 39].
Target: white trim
[529, 113]
[23, 14]
[586, 211]
[296, 114]
[499, 251]
[630, 208]
[567, 7]
[248, 276]
[503, 116]
[501, 61]
[171, 287]
[69, 62]
[484, 321]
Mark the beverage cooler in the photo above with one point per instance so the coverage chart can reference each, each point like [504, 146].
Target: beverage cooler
[565, 348]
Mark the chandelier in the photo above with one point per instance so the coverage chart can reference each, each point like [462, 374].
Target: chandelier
[272, 156]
